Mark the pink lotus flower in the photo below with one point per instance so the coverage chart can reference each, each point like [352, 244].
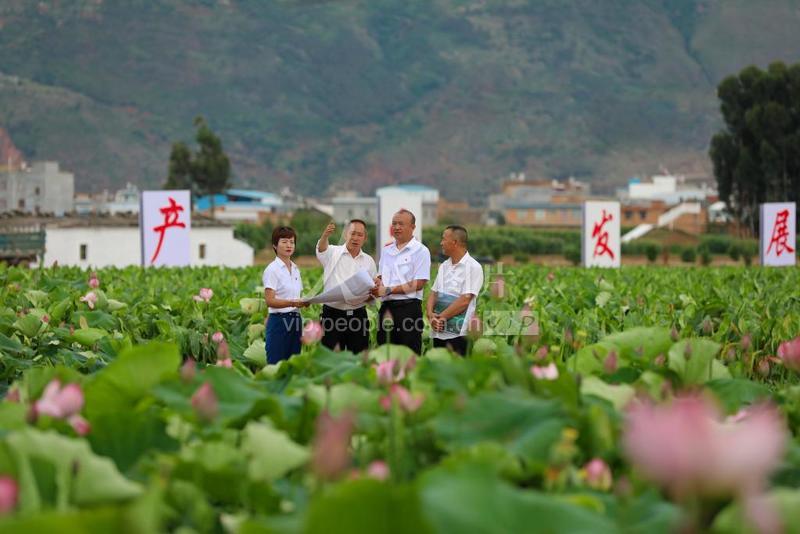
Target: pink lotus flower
[545, 373]
[80, 425]
[378, 470]
[746, 342]
[400, 395]
[498, 288]
[188, 370]
[684, 447]
[386, 372]
[610, 363]
[46, 318]
[58, 402]
[204, 295]
[312, 332]
[763, 367]
[223, 351]
[474, 327]
[225, 362]
[94, 283]
[12, 395]
[89, 298]
[204, 402]
[9, 493]
[598, 475]
[218, 337]
[541, 353]
[330, 452]
[789, 353]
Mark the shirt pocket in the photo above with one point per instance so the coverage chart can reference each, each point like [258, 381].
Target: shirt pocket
[405, 269]
[454, 283]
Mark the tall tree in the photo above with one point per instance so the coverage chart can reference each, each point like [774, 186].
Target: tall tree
[207, 171]
[756, 156]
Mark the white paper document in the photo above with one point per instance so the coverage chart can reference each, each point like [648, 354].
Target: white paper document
[354, 289]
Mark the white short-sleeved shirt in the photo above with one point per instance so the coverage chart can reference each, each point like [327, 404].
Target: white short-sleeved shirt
[287, 285]
[338, 265]
[454, 280]
[400, 266]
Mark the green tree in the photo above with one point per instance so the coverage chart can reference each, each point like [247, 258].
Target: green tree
[180, 168]
[207, 171]
[756, 156]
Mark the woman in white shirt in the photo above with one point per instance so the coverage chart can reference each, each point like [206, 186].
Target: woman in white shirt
[282, 288]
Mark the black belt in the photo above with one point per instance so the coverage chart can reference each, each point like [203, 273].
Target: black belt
[337, 311]
[401, 302]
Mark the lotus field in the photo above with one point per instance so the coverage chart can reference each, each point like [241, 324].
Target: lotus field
[647, 400]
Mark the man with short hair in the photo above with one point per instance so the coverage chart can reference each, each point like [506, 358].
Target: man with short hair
[452, 300]
[345, 324]
[405, 266]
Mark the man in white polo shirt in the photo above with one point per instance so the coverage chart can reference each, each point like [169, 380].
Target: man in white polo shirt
[451, 303]
[405, 266]
[345, 324]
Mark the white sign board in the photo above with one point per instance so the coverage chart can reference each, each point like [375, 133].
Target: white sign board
[389, 203]
[600, 238]
[778, 234]
[165, 221]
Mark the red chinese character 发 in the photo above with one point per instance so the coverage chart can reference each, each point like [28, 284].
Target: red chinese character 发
[171, 214]
[780, 234]
[601, 244]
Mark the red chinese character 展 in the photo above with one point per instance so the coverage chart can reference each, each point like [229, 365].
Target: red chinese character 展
[171, 214]
[780, 234]
[601, 236]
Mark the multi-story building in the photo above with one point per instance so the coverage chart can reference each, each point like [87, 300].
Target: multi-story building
[349, 205]
[545, 203]
[39, 188]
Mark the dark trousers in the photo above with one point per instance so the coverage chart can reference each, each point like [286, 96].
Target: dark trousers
[457, 344]
[349, 330]
[407, 323]
[282, 336]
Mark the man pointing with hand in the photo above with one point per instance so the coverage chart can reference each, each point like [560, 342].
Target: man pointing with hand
[345, 324]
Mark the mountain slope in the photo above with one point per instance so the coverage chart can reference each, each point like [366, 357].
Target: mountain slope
[455, 93]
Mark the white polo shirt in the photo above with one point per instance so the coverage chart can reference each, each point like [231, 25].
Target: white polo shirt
[338, 265]
[454, 280]
[400, 266]
[287, 285]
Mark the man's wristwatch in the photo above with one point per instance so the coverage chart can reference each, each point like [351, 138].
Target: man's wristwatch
[388, 290]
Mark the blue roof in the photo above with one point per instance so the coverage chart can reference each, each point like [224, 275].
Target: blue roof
[256, 195]
[239, 197]
[204, 203]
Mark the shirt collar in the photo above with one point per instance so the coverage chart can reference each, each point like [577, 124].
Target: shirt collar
[281, 264]
[411, 246]
[461, 261]
[345, 251]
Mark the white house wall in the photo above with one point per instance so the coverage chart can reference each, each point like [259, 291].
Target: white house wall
[221, 248]
[121, 247]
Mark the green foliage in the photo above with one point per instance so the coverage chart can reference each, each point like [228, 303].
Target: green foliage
[489, 448]
[705, 256]
[651, 251]
[757, 156]
[573, 254]
[689, 255]
[206, 171]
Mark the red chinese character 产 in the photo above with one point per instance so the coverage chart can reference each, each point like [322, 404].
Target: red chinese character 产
[780, 234]
[171, 214]
[601, 243]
